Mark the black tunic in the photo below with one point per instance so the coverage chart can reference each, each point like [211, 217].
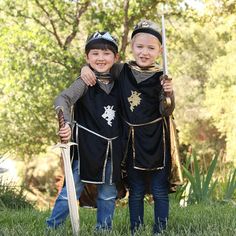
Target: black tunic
[98, 121]
[146, 127]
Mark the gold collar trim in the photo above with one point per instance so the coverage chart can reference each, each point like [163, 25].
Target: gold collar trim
[153, 68]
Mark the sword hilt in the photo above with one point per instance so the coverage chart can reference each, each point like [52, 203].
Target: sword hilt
[61, 121]
[167, 100]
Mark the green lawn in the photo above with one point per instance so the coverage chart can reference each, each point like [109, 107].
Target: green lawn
[200, 220]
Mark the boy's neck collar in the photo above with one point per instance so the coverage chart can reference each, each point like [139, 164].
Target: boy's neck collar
[153, 68]
[105, 77]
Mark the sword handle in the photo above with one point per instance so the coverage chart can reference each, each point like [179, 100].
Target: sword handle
[167, 100]
[61, 121]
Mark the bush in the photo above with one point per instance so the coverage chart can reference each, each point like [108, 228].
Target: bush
[13, 197]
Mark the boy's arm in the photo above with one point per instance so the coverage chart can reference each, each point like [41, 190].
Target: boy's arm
[67, 98]
[116, 69]
[88, 76]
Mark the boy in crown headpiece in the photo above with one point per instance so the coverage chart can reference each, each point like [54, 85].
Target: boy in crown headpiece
[96, 130]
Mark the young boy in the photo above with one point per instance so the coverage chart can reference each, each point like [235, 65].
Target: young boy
[145, 114]
[97, 132]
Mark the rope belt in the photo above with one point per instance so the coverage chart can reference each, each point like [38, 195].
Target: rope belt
[92, 132]
[142, 124]
[131, 134]
[109, 146]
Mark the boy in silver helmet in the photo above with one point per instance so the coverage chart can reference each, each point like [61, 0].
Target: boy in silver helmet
[96, 130]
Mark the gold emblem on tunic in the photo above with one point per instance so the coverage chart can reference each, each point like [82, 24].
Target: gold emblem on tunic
[134, 100]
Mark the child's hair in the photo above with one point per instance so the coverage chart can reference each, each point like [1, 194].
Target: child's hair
[101, 40]
[147, 26]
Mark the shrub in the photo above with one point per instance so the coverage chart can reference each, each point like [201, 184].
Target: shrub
[12, 196]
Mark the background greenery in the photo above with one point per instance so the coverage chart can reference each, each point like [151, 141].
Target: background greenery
[42, 51]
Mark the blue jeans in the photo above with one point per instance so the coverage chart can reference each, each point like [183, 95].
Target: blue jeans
[159, 189]
[105, 202]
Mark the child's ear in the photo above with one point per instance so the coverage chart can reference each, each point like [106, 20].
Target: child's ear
[86, 58]
[117, 57]
[161, 49]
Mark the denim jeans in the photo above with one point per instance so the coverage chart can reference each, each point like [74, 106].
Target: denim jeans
[105, 202]
[159, 189]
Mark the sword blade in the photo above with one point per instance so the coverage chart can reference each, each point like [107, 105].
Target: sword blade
[164, 52]
[70, 184]
[71, 192]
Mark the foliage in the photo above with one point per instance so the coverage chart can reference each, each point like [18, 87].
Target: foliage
[12, 197]
[230, 186]
[221, 90]
[201, 184]
[26, 87]
[221, 84]
[41, 53]
[34, 68]
[202, 64]
[191, 57]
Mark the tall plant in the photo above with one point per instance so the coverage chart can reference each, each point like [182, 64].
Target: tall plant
[231, 186]
[202, 185]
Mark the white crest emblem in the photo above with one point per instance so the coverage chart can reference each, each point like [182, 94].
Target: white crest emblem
[109, 114]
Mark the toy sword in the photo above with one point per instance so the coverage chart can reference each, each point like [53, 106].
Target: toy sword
[167, 100]
[70, 184]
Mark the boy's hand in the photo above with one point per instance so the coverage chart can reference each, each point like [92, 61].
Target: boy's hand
[167, 85]
[65, 133]
[88, 76]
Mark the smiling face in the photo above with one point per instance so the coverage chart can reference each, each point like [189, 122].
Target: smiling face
[145, 48]
[101, 60]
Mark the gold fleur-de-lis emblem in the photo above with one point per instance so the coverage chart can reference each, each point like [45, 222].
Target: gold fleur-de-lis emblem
[134, 100]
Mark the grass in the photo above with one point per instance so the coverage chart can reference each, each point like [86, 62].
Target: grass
[216, 219]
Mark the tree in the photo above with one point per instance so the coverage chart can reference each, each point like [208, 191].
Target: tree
[221, 85]
[38, 59]
[41, 53]
[201, 58]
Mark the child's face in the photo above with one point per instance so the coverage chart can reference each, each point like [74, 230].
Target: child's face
[145, 48]
[101, 60]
